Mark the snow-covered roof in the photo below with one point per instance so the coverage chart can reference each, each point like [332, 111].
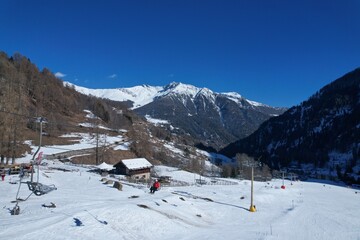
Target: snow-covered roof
[105, 166]
[136, 163]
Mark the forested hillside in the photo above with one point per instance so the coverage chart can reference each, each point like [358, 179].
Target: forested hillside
[323, 131]
[27, 93]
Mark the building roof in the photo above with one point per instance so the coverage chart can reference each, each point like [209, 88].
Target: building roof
[136, 163]
[105, 166]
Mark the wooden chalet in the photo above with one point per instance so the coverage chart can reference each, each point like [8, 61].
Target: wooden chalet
[136, 168]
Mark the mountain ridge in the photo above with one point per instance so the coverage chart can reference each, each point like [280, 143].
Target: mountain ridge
[151, 92]
[212, 119]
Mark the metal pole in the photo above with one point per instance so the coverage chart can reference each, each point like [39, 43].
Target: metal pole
[252, 207]
[33, 159]
[252, 186]
[283, 183]
[38, 165]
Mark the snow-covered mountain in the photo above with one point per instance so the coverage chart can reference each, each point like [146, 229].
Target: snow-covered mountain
[144, 94]
[138, 95]
[212, 119]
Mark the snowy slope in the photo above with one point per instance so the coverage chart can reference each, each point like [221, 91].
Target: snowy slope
[139, 95]
[88, 209]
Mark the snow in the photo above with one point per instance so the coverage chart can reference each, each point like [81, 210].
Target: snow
[90, 114]
[155, 121]
[172, 148]
[86, 208]
[136, 163]
[124, 146]
[234, 95]
[82, 141]
[256, 104]
[140, 95]
[105, 166]
[238, 98]
[180, 88]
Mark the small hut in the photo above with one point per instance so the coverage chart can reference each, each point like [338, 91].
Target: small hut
[136, 168]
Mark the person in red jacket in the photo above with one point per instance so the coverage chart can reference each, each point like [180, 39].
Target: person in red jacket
[155, 186]
[3, 175]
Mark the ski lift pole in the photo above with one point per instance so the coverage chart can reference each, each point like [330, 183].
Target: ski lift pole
[40, 120]
[252, 165]
[283, 182]
[252, 207]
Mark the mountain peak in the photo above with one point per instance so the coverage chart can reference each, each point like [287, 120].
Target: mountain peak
[180, 88]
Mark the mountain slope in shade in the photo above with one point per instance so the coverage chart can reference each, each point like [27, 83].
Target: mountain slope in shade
[212, 119]
[322, 133]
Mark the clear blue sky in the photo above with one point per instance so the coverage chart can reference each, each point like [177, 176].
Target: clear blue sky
[278, 52]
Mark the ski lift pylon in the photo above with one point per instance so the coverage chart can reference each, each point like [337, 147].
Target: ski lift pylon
[35, 187]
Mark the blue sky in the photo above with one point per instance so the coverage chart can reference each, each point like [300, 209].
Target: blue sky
[277, 52]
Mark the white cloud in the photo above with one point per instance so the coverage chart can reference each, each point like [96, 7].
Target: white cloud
[112, 76]
[60, 75]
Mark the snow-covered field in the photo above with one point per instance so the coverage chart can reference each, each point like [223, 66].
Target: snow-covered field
[86, 208]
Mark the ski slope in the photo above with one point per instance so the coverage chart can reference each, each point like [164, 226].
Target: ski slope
[86, 208]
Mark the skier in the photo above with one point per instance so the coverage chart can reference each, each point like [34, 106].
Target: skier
[155, 186]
